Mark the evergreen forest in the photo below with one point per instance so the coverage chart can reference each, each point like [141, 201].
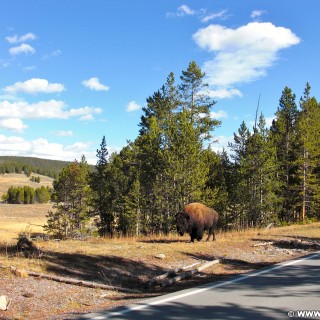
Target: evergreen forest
[29, 165]
[267, 175]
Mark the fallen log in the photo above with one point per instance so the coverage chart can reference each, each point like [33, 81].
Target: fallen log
[76, 281]
[157, 280]
[293, 243]
[263, 244]
[188, 274]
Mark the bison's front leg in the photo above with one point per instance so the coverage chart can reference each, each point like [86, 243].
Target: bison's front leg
[194, 235]
[200, 236]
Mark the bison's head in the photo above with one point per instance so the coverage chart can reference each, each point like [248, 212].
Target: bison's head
[182, 222]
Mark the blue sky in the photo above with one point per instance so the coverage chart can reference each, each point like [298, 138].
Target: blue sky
[73, 71]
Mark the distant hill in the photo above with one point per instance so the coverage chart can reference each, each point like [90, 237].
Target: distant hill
[45, 167]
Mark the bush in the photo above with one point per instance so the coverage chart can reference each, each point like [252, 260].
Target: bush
[27, 195]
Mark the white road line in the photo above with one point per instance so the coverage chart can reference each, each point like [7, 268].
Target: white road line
[196, 291]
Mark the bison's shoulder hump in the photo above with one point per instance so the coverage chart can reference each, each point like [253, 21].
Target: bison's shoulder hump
[195, 207]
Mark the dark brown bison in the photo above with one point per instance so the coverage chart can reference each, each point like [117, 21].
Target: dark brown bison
[195, 219]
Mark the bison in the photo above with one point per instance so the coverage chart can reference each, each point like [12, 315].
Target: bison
[195, 219]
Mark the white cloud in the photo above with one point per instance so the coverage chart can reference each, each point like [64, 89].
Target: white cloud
[257, 13]
[201, 14]
[34, 86]
[26, 37]
[185, 10]
[42, 148]
[255, 36]
[94, 84]
[86, 113]
[133, 106]
[13, 145]
[13, 124]
[269, 121]
[220, 143]
[217, 15]
[87, 117]
[224, 93]
[182, 11]
[52, 54]
[65, 133]
[29, 68]
[219, 114]
[52, 109]
[241, 55]
[5, 63]
[78, 147]
[23, 48]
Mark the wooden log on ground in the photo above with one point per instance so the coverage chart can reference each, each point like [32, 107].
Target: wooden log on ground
[157, 280]
[77, 282]
[188, 274]
[263, 244]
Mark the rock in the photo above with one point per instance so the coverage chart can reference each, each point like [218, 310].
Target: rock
[28, 295]
[4, 303]
[160, 256]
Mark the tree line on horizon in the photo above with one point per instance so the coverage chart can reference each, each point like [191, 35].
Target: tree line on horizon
[270, 175]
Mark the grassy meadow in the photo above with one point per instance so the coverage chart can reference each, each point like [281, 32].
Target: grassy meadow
[16, 218]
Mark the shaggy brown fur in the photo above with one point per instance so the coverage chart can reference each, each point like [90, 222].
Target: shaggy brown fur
[195, 219]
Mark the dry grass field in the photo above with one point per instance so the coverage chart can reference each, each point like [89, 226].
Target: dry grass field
[18, 218]
[125, 262]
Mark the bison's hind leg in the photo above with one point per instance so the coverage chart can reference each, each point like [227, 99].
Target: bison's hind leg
[211, 232]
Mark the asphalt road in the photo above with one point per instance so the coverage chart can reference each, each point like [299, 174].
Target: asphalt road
[269, 293]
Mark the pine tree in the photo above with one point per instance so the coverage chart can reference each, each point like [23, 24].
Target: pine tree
[70, 195]
[153, 143]
[99, 183]
[196, 100]
[284, 137]
[216, 192]
[42, 194]
[240, 187]
[309, 163]
[261, 169]
[254, 175]
[125, 192]
[186, 164]
[161, 106]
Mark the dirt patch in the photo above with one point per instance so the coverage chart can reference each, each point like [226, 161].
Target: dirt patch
[130, 263]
